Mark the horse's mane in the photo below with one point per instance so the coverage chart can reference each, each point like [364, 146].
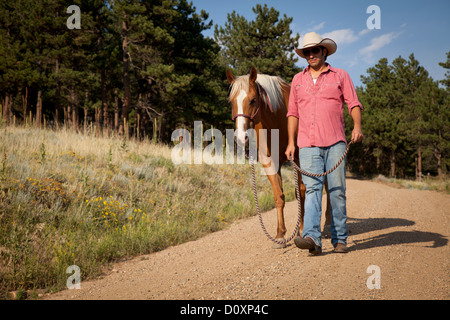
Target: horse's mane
[271, 84]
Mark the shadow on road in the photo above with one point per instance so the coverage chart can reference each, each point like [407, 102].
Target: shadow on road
[357, 226]
[360, 226]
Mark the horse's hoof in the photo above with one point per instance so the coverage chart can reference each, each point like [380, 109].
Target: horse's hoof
[279, 245]
[326, 232]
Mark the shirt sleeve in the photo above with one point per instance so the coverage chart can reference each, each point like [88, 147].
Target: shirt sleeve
[349, 93]
[292, 107]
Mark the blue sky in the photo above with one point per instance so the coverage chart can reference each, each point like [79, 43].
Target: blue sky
[414, 26]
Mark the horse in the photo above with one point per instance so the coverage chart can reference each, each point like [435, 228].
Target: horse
[260, 101]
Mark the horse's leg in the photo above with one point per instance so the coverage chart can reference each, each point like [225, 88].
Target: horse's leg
[277, 187]
[326, 233]
[302, 201]
[302, 196]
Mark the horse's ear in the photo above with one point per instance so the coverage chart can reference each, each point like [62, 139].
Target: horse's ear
[230, 76]
[253, 75]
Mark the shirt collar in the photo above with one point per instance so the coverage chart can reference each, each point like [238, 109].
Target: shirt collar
[330, 68]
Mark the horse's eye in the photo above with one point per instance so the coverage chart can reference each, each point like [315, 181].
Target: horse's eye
[253, 101]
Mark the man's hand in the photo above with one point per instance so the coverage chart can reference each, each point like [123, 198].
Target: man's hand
[292, 135]
[357, 135]
[290, 151]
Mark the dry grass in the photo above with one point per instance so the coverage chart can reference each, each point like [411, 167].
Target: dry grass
[427, 183]
[70, 199]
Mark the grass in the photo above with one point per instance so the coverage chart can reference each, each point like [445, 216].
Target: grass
[71, 199]
[427, 183]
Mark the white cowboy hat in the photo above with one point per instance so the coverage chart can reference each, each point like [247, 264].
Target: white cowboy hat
[312, 39]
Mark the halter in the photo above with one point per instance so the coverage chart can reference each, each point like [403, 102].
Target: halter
[260, 90]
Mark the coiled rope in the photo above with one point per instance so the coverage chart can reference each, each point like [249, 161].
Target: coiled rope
[297, 187]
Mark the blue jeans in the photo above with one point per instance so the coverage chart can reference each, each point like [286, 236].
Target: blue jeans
[318, 160]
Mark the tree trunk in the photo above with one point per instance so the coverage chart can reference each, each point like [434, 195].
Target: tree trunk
[85, 121]
[75, 118]
[7, 109]
[439, 165]
[105, 104]
[419, 165]
[378, 164]
[38, 121]
[162, 127]
[362, 164]
[57, 115]
[378, 161]
[66, 116]
[85, 109]
[138, 128]
[98, 115]
[74, 108]
[438, 155]
[25, 103]
[116, 112]
[392, 173]
[126, 77]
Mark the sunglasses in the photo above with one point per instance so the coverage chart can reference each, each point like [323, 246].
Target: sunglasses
[315, 50]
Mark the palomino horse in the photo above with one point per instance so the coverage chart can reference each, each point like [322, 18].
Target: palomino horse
[260, 101]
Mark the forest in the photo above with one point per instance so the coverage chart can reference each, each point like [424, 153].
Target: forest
[141, 69]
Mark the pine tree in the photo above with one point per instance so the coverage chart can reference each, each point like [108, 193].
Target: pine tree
[144, 61]
[405, 118]
[266, 43]
[10, 52]
[129, 21]
[197, 73]
[173, 72]
[382, 116]
[446, 65]
[442, 117]
[410, 76]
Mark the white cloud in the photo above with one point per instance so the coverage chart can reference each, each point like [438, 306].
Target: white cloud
[379, 42]
[363, 32]
[342, 36]
[318, 26]
[353, 61]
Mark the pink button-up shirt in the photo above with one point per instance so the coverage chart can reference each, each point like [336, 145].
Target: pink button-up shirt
[319, 107]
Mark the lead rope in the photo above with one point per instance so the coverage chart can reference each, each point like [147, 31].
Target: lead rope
[297, 187]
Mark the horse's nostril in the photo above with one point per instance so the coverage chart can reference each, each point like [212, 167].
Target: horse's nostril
[241, 137]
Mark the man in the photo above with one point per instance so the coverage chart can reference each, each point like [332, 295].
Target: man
[315, 111]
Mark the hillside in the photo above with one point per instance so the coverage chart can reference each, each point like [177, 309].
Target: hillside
[71, 199]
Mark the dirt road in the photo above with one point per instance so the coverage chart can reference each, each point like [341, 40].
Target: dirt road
[403, 232]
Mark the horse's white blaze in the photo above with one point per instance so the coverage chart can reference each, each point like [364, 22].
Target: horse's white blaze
[240, 132]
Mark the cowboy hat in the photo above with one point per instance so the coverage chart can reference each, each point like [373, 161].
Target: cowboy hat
[312, 39]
